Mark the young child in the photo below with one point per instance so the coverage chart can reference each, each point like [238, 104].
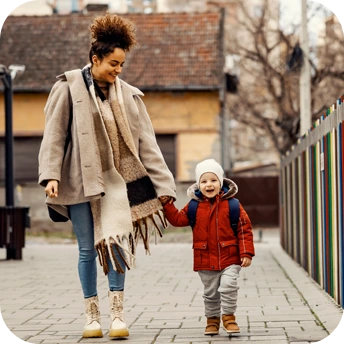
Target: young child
[219, 252]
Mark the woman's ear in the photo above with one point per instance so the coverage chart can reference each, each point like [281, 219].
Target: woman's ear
[95, 60]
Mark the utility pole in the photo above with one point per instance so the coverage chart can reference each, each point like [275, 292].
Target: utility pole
[305, 78]
[222, 94]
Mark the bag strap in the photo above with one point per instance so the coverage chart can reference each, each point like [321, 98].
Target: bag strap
[192, 209]
[234, 213]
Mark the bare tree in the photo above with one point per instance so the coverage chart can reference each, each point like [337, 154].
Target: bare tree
[270, 61]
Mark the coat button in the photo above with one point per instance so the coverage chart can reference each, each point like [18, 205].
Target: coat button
[212, 267]
[204, 246]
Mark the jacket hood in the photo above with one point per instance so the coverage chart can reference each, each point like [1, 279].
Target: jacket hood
[229, 189]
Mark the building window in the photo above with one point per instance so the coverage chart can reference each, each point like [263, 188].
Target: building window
[148, 10]
[167, 144]
[25, 152]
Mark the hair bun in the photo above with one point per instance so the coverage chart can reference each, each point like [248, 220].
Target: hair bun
[112, 28]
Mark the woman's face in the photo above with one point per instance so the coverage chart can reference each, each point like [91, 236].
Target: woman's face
[109, 67]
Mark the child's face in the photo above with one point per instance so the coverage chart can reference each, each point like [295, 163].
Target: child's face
[209, 185]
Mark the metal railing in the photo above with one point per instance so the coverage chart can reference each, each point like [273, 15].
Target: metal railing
[312, 203]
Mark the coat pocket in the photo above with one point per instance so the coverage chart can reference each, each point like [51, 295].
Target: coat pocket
[229, 252]
[201, 254]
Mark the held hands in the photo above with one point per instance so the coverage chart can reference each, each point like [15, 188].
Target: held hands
[166, 199]
[52, 188]
[245, 262]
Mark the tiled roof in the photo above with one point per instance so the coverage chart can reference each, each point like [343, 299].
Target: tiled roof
[177, 50]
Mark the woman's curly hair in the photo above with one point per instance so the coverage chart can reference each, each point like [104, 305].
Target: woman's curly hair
[109, 32]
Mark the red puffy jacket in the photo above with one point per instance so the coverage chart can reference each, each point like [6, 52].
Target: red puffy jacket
[215, 244]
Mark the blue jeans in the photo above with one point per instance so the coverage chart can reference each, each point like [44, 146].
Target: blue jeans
[82, 220]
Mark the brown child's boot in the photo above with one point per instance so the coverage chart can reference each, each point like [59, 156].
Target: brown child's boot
[229, 324]
[213, 325]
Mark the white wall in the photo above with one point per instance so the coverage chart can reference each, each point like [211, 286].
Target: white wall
[37, 7]
[40, 7]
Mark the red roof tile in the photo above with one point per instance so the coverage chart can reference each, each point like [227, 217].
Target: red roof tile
[177, 50]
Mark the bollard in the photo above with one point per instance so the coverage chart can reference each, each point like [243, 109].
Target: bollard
[260, 233]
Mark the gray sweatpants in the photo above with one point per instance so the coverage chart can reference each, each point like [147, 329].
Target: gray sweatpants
[220, 290]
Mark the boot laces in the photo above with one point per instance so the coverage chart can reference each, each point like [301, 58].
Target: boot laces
[92, 312]
[117, 307]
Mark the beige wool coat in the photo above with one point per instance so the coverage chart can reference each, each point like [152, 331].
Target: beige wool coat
[79, 170]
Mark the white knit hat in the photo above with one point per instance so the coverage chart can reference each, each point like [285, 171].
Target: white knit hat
[209, 165]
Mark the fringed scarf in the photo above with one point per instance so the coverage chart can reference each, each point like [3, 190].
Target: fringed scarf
[127, 211]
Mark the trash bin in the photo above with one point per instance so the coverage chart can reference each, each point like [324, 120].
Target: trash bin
[13, 222]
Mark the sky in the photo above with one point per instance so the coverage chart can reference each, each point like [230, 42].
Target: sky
[291, 14]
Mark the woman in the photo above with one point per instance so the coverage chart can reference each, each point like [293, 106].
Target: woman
[108, 174]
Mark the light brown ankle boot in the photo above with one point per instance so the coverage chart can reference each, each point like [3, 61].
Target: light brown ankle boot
[229, 324]
[92, 328]
[213, 325]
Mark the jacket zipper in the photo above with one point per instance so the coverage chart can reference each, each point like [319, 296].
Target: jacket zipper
[211, 207]
[217, 232]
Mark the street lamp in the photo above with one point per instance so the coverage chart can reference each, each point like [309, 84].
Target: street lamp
[14, 69]
[13, 219]
[6, 76]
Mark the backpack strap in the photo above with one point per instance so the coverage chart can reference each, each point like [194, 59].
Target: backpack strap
[234, 213]
[192, 210]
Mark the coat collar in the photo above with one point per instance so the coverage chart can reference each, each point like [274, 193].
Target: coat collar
[126, 88]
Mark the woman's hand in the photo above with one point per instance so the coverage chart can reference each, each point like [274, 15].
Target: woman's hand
[245, 262]
[52, 188]
[166, 199]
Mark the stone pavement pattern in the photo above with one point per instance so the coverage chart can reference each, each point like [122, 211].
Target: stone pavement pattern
[41, 300]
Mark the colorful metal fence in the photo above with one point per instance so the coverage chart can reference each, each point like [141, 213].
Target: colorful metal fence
[312, 202]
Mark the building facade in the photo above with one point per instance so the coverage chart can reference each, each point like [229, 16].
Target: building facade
[182, 82]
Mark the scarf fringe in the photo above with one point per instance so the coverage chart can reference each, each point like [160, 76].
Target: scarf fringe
[126, 252]
[144, 227]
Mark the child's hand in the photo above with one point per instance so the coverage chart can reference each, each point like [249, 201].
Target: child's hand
[245, 262]
[166, 199]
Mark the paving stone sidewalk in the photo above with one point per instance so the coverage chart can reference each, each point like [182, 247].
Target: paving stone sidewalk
[41, 300]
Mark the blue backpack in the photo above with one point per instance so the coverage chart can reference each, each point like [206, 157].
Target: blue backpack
[234, 213]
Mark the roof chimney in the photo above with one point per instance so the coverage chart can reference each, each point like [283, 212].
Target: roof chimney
[90, 7]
